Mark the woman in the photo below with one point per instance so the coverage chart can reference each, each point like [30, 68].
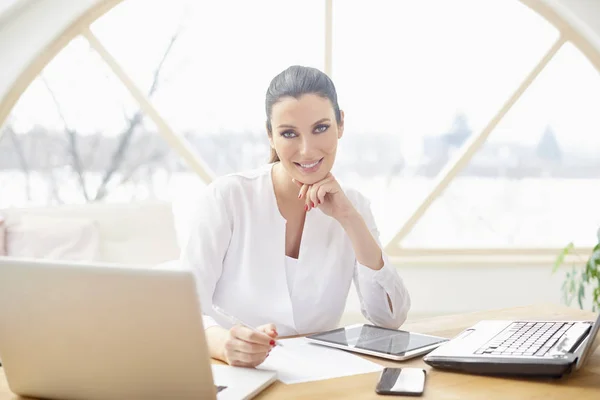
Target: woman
[278, 247]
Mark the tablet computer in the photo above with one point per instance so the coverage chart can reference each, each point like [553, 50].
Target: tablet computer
[376, 341]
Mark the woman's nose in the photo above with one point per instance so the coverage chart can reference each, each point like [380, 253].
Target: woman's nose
[306, 145]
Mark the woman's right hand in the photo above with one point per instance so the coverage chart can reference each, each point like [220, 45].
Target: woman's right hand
[244, 347]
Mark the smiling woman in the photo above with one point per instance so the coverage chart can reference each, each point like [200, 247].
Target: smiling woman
[290, 269]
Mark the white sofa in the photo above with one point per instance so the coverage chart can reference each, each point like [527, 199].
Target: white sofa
[144, 234]
[136, 233]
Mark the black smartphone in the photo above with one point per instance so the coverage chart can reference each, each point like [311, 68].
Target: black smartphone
[401, 381]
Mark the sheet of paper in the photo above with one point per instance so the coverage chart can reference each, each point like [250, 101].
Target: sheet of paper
[300, 361]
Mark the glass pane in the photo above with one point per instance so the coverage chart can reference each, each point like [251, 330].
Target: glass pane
[77, 136]
[534, 183]
[409, 72]
[213, 80]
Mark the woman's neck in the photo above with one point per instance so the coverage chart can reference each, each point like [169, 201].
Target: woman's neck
[285, 189]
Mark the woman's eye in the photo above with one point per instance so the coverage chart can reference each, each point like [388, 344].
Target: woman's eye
[288, 134]
[321, 128]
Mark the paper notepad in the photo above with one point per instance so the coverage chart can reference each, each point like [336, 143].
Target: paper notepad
[300, 361]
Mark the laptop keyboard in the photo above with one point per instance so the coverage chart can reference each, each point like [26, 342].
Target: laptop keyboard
[525, 339]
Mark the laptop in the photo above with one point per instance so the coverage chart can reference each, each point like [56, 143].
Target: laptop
[520, 348]
[99, 331]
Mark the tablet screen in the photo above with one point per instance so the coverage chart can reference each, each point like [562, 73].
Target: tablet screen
[381, 340]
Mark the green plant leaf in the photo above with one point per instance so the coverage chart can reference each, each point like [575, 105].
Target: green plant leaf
[577, 281]
[563, 289]
[560, 259]
[580, 295]
[595, 257]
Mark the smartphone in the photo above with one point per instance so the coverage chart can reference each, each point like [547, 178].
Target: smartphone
[401, 381]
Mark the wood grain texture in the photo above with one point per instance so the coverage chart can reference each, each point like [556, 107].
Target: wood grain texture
[583, 384]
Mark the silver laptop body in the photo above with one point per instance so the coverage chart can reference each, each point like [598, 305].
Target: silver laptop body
[83, 331]
[521, 348]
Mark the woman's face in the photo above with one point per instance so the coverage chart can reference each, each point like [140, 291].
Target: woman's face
[305, 135]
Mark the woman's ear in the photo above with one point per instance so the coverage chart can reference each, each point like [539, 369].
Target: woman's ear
[270, 135]
[341, 125]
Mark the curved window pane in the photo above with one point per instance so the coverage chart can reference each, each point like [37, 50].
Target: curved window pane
[77, 136]
[219, 58]
[416, 70]
[534, 183]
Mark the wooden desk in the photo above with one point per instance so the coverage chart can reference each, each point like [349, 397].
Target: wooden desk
[583, 384]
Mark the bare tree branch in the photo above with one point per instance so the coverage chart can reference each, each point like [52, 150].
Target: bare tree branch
[93, 149]
[156, 81]
[72, 140]
[133, 122]
[117, 159]
[155, 157]
[54, 187]
[22, 158]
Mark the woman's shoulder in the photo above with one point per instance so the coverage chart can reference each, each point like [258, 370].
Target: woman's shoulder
[240, 181]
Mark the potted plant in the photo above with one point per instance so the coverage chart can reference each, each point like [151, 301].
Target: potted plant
[579, 281]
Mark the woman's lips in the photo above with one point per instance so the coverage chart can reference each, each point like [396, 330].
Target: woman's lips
[310, 167]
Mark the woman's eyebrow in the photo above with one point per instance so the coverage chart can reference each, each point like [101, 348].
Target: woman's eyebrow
[286, 126]
[293, 127]
[321, 121]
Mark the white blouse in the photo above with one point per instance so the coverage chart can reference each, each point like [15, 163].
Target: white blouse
[237, 252]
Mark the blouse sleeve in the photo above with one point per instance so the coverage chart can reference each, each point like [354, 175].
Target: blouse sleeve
[374, 287]
[206, 247]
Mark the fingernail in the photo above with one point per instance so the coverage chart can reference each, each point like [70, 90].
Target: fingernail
[312, 204]
[299, 195]
[306, 207]
[272, 343]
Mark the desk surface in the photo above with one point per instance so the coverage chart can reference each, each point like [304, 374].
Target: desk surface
[583, 384]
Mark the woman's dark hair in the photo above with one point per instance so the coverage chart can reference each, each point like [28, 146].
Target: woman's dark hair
[296, 81]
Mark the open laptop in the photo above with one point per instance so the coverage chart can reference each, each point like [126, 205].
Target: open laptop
[521, 348]
[82, 331]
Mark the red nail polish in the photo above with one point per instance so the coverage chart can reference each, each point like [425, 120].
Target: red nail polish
[272, 342]
[306, 207]
[319, 201]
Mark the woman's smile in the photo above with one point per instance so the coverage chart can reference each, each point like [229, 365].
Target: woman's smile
[309, 167]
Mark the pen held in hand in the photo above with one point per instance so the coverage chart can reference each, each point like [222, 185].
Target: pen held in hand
[235, 321]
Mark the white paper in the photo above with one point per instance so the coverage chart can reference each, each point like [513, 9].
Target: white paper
[300, 361]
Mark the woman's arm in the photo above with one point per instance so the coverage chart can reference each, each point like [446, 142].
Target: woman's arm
[206, 247]
[366, 249]
[384, 299]
[204, 254]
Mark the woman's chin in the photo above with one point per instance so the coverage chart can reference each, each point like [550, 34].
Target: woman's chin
[310, 179]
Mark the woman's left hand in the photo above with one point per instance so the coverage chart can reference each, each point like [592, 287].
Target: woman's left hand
[326, 195]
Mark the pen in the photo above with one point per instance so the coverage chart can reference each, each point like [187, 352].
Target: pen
[235, 320]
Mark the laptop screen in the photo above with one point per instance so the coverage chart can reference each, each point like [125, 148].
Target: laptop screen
[592, 343]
